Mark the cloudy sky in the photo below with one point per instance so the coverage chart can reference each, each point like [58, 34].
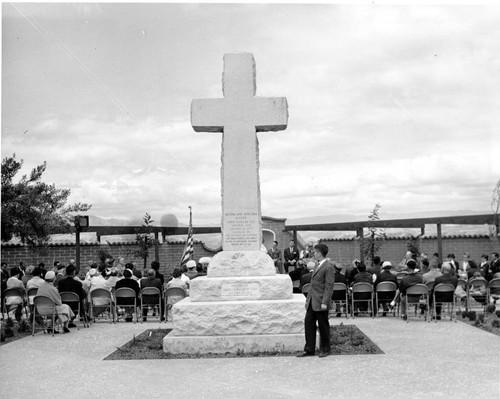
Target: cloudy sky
[391, 105]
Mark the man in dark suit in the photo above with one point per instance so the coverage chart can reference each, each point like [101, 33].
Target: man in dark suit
[385, 275]
[128, 282]
[318, 304]
[275, 254]
[69, 284]
[291, 255]
[494, 266]
[152, 281]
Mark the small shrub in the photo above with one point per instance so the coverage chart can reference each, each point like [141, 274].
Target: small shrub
[490, 308]
[498, 313]
[480, 318]
[477, 323]
[495, 323]
[471, 315]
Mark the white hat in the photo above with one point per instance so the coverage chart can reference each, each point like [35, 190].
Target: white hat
[205, 259]
[311, 265]
[191, 264]
[386, 265]
[50, 275]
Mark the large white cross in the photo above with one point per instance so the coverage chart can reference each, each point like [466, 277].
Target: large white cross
[239, 115]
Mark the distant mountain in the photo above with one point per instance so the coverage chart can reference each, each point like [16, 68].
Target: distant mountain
[99, 221]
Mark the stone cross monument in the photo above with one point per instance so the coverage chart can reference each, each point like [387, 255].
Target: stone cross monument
[239, 115]
[242, 304]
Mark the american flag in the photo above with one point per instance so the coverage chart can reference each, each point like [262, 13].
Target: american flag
[188, 249]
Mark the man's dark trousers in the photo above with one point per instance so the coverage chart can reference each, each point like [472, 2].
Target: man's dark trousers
[310, 327]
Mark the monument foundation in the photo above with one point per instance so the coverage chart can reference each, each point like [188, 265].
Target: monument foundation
[241, 305]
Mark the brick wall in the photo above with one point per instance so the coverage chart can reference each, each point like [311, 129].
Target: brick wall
[345, 251]
[169, 254]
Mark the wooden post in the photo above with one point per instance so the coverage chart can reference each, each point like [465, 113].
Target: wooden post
[157, 248]
[440, 243]
[359, 233]
[77, 242]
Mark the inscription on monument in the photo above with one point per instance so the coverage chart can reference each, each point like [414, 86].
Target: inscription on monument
[240, 290]
[241, 230]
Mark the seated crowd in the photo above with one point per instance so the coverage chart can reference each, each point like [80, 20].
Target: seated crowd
[409, 273]
[107, 276]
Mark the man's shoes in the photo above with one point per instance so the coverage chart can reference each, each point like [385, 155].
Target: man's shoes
[304, 354]
[162, 318]
[339, 314]
[405, 317]
[66, 330]
[384, 314]
[144, 319]
[71, 324]
[128, 319]
[323, 354]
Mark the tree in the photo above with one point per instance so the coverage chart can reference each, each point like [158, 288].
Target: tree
[495, 207]
[31, 209]
[373, 241]
[144, 240]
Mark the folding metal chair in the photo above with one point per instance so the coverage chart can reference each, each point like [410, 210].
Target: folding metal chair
[362, 292]
[15, 293]
[340, 298]
[173, 292]
[73, 301]
[126, 297]
[44, 307]
[481, 299]
[385, 292]
[150, 296]
[493, 289]
[416, 295]
[443, 294]
[101, 295]
[305, 289]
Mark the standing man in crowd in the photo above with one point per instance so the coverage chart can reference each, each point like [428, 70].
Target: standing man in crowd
[291, 256]
[318, 304]
[275, 254]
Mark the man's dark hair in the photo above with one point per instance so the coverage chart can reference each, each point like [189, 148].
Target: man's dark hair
[176, 273]
[70, 270]
[451, 255]
[127, 273]
[362, 267]
[425, 262]
[435, 254]
[137, 273]
[376, 260]
[129, 266]
[56, 263]
[484, 256]
[411, 264]
[155, 265]
[15, 271]
[496, 254]
[322, 248]
[36, 272]
[199, 268]
[42, 265]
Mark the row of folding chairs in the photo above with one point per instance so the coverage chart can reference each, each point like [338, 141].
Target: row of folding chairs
[491, 289]
[363, 293]
[126, 298]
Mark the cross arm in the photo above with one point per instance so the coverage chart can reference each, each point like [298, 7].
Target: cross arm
[271, 114]
[207, 115]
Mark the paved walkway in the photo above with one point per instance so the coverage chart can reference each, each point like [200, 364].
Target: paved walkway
[421, 360]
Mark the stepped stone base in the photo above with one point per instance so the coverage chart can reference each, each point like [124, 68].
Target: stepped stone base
[233, 343]
[241, 288]
[239, 317]
[241, 263]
